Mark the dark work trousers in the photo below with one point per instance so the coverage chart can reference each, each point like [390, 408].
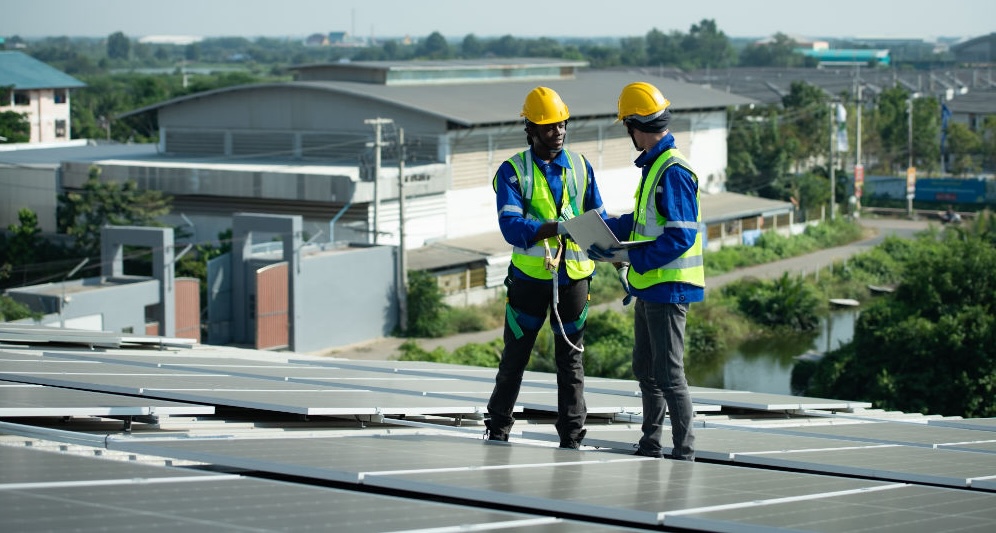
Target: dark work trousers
[536, 299]
[658, 364]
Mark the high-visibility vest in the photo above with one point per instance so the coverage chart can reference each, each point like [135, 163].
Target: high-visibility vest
[648, 224]
[539, 205]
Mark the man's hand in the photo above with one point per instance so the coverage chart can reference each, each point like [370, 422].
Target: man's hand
[612, 255]
[623, 271]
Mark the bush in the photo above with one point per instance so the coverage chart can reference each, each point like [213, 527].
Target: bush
[426, 310]
[785, 302]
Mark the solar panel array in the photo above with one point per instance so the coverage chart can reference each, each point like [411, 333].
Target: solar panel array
[287, 442]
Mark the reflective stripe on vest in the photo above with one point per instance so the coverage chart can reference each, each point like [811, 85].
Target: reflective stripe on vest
[539, 205]
[649, 224]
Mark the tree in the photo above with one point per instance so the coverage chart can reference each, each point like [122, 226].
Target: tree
[758, 154]
[928, 348]
[82, 214]
[806, 121]
[964, 149]
[118, 46]
[23, 241]
[663, 49]
[633, 51]
[778, 53]
[426, 309]
[435, 47]
[471, 47]
[14, 127]
[706, 46]
[988, 135]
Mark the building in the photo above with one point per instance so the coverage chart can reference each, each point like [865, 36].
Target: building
[979, 51]
[121, 302]
[40, 93]
[310, 147]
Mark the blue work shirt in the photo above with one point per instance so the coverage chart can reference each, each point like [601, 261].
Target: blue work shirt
[676, 200]
[517, 230]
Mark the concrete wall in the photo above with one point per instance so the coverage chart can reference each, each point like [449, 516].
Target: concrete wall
[33, 188]
[115, 305]
[42, 113]
[349, 297]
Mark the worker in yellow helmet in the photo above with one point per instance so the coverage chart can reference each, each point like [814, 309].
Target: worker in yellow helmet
[665, 275]
[536, 190]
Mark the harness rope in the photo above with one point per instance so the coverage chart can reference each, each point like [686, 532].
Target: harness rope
[553, 265]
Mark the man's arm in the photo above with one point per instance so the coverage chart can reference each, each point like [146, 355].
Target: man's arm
[517, 230]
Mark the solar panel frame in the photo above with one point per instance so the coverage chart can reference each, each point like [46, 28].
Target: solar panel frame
[27, 400]
[888, 462]
[901, 508]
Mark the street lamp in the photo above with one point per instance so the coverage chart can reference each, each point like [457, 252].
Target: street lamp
[62, 302]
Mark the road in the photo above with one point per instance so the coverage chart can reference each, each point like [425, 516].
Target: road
[387, 348]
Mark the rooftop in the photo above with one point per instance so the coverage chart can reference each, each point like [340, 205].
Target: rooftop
[25, 72]
[166, 433]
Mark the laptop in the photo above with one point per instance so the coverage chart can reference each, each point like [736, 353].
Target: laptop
[589, 229]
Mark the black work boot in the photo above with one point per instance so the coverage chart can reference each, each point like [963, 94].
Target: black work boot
[574, 443]
[493, 434]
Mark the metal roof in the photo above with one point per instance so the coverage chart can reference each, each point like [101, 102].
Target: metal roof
[52, 157]
[592, 94]
[974, 102]
[25, 72]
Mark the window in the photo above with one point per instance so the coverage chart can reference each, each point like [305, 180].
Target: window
[60, 128]
[61, 96]
[5, 95]
[22, 98]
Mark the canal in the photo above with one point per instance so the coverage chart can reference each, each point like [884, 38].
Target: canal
[766, 365]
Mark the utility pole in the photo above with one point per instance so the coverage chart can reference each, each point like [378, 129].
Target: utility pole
[859, 168]
[402, 255]
[910, 170]
[830, 163]
[378, 145]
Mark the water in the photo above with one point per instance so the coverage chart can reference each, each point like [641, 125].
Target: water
[766, 365]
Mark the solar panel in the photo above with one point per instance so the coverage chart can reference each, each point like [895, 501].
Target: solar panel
[45, 491]
[710, 443]
[236, 391]
[352, 459]
[637, 492]
[900, 509]
[911, 434]
[770, 402]
[887, 462]
[981, 424]
[23, 400]
[24, 466]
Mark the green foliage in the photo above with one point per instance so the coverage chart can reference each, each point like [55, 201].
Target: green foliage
[474, 354]
[779, 53]
[426, 309]
[82, 214]
[14, 127]
[786, 302]
[771, 246]
[609, 345]
[928, 347]
[118, 46]
[964, 147]
[806, 121]
[11, 310]
[23, 242]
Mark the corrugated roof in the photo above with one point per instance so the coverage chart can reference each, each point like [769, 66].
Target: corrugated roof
[974, 102]
[53, 157]
[25, 72]
[592, 94]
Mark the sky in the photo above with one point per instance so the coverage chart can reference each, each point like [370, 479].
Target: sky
[921, 19]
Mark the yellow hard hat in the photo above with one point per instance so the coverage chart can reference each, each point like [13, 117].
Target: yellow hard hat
[544, 106]
[641, 98]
